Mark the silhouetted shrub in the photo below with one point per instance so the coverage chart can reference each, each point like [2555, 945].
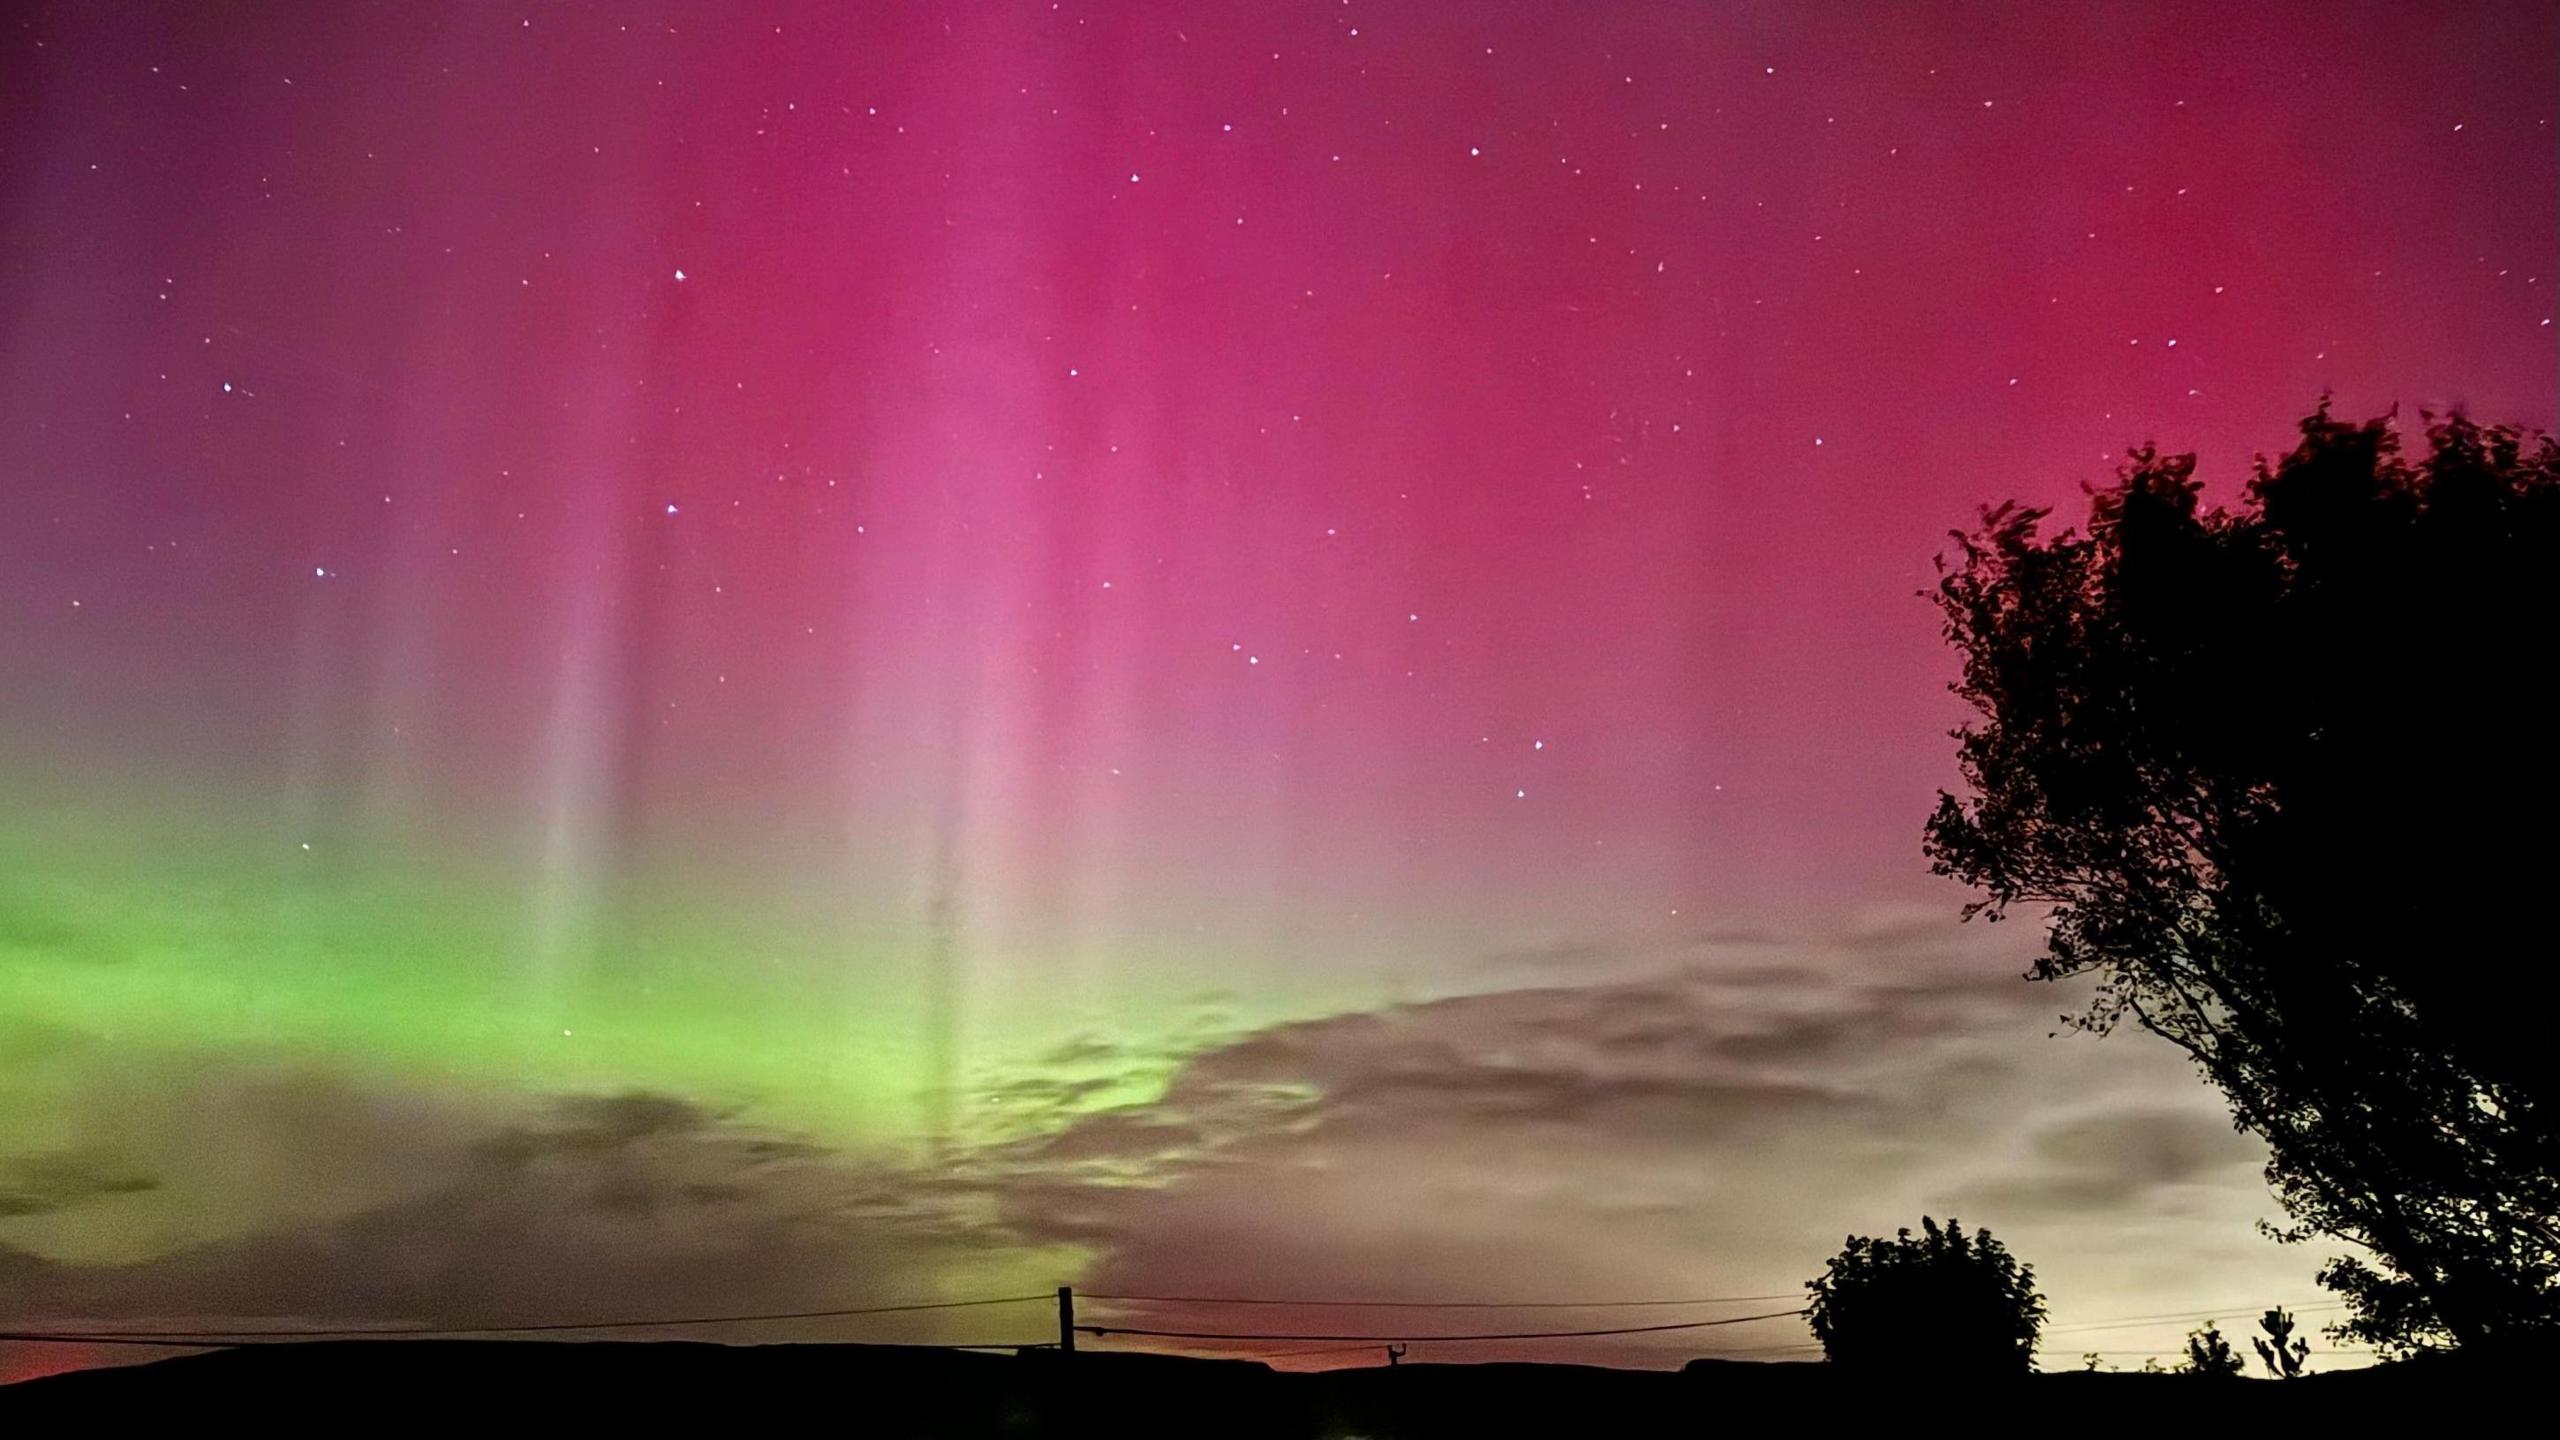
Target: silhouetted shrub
[1940, 1303]
[2208, 1353]
[2282, 1354]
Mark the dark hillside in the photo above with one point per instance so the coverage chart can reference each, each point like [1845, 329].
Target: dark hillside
[892, 1391]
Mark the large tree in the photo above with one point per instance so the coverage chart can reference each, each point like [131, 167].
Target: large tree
[2283, 777]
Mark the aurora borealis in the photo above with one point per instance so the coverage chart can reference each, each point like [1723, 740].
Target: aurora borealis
[680, 658]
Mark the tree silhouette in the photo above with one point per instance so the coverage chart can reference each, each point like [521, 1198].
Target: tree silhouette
[1942, 1303]
[2282, 779]
[2208, 1353]
[2277, 1349]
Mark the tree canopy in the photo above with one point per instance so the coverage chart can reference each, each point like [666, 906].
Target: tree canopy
[1938, 1303]
[2282, 778]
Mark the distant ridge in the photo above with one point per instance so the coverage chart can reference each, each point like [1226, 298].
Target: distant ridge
[887, 1390]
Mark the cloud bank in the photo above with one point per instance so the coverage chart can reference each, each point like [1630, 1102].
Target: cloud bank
[1710, 1122]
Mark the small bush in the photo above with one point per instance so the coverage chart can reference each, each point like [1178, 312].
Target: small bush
[1940, 1302]
[2208, 1353]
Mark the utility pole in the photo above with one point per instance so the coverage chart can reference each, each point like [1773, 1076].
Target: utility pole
[1066, 1320]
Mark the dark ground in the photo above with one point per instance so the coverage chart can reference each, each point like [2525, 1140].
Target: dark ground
[359, 1387]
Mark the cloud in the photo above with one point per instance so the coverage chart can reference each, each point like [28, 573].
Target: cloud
[2119, 1160]
[1566, 954]
[35, 926]
[1693, 1130]
[42, 1184]
[587, 1206]
[1688, 1131]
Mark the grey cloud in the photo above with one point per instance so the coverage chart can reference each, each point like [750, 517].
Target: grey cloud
[2119, 1160]
[1738, 937]
[1554, 954]
[1659, 1132]
[1126, 1136]
[598, 1206]
[1765, 977]
[1083, 1050]
[1790, 1036]
[61, 1180]
[1500, 1093]
[2155, 1147]
[1905, 929]
[42, 926]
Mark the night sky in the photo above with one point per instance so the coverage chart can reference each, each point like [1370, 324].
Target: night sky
[659, 659]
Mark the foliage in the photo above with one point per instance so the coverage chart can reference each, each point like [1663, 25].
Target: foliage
[1942, 1302]
[2208, 1353]
[2277, 1349]
[2279, 776]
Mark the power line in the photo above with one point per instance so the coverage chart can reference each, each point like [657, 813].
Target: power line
[35, 1337]
[1437, 1304]
[212, 1337]
[1516, 1335]
[223, 1336]
[1314, 1350]
[300, 1336]
[2133, 1320]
